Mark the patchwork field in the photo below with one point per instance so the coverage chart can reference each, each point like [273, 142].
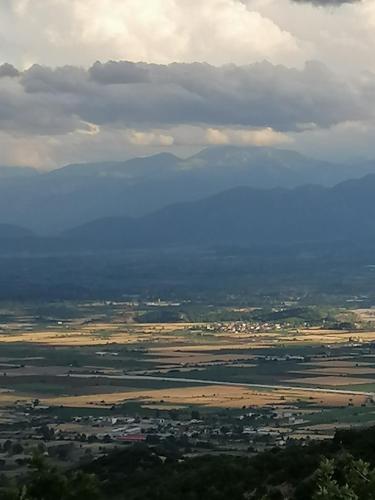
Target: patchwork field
[98, 359]
[211, 396]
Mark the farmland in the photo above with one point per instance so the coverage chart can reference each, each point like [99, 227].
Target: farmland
[87, 365]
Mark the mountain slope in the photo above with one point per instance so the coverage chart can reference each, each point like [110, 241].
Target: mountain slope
[246, 216]
[52, 202]
[11, 232]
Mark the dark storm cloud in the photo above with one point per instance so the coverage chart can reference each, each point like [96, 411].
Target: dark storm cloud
[256, 95]
[122, 94]
[7, 70]
[114, 72]
[67, 79]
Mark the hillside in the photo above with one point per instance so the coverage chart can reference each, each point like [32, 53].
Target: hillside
[338, 469]
[247, 216]
[11, 232]
[291, 473]
[76, 194]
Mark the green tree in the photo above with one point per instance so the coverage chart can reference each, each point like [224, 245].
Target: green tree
[48, 483]
[344, 479]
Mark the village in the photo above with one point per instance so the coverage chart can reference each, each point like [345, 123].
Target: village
[30, 430]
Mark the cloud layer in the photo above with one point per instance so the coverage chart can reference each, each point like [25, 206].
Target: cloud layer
[204, 79]
[218, 31]
[178, 104]
[122, 94]
[164, 31]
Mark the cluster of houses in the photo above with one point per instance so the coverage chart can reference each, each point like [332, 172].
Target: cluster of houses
[80, 437]
[243, 327]
[270, 425]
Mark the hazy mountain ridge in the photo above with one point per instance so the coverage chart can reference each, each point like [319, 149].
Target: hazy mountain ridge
[76, 194]
[11, 232]
[242, 216]
[247, 216]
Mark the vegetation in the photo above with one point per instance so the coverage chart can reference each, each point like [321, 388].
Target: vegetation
[45, 482]
[341, 469]
[328, 274]
[345, 479]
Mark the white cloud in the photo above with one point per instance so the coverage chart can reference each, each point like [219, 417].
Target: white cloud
[164, 31]
[216, 31]
[149, 138]
[342, 142]
[343, 38]
[243, 137]
[118, 144]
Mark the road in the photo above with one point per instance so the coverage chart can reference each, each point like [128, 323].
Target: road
[232, 384]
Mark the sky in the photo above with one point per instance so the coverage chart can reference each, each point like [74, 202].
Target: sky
[92, 80]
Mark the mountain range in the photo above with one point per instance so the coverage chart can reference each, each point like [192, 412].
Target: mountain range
[246, 216]
[52, 202]
[243, 216]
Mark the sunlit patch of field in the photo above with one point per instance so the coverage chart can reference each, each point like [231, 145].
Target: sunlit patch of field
[100, 334]
[168, 337]
[319, 335]
[330, 381]
[8, 398]
[337, 425]
[176, 335]
[210, 396]
[365, 314]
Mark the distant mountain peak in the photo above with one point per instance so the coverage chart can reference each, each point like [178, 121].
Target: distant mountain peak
[77, 194]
